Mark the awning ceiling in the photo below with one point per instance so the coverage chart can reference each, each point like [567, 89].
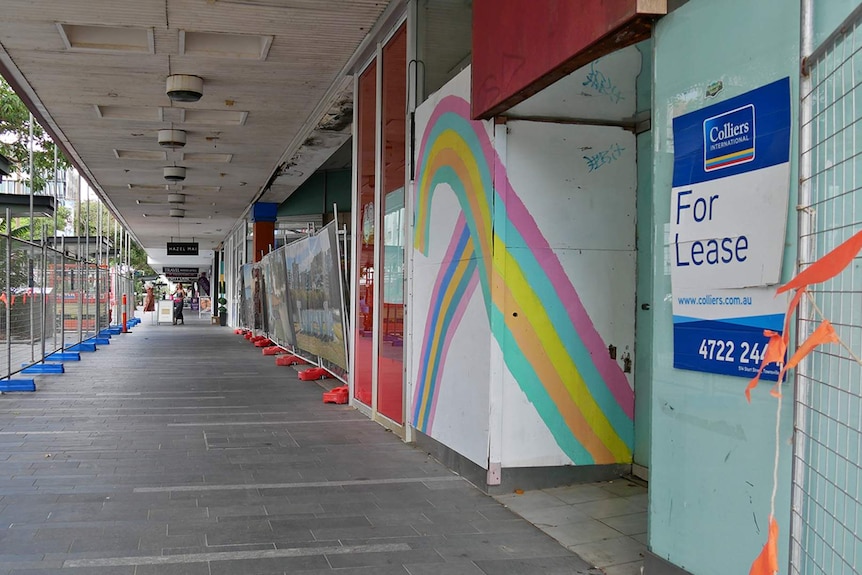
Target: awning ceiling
[276, 101]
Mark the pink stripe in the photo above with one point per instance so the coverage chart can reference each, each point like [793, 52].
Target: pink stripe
[460, 225]
[521, 219]
[447, 341]
[608, 368]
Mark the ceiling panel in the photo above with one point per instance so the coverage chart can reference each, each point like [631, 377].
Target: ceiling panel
[267, 65]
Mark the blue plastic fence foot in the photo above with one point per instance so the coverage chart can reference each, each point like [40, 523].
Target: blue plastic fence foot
[83, 346]
[18, 385]
[99, 340]
[106, 333]
[64, 356]
[44, 368]
[115, 330]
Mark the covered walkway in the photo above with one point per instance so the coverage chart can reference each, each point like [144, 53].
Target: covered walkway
[182, 450]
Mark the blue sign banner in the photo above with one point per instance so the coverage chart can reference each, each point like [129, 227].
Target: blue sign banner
[731, 181]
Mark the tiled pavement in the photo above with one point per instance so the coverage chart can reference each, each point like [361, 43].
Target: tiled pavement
[181, 450]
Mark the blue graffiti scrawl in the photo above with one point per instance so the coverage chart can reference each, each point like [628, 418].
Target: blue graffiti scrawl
[603, 85]
[604, 157]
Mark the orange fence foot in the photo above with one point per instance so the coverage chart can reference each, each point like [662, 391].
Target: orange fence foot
[289, 359]
[337, 395]
[313, 373]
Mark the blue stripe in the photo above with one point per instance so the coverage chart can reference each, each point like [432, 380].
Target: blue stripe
[436, 316]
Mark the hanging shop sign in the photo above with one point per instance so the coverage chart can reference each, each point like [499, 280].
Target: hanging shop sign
[181, 272]
[182, 248]
[728, 220]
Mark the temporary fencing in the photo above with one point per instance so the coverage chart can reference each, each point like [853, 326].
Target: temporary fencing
[51, 300]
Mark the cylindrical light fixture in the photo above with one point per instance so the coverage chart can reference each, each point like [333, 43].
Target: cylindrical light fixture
[184, 88]
[171, 138]
[177, 213]
[175, 173]
[176, 198]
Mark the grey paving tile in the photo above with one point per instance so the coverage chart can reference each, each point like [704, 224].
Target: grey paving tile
[584, 531]
[609, 508]
[392, 558]
[634, 568]
[84, 501]
[448, 568]
[529, 501]
[580, 493]
[568, 565]
[615, 551]
[268, 566]
[633, 524]
[181, 569]
[624, 488]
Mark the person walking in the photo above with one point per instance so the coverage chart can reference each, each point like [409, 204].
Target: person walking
[179, 297]
[150, 299]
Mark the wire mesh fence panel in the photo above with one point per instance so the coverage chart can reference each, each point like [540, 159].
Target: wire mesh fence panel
[827, 462]
[5, 299]
[73, 318]
[56, 272]
[25, 310]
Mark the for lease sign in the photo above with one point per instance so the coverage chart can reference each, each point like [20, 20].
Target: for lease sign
[727, 229]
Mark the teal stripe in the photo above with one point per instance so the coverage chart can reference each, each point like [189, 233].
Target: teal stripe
[571, 339]
[536, 393]
[446, 175]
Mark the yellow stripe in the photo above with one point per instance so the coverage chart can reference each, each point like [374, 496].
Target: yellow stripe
[436, 338]
[536, 315]
[729, 156]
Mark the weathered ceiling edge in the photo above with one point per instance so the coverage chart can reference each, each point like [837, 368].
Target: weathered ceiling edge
[395, 10]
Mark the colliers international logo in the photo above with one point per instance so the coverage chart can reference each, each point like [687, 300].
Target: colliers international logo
[728, 139]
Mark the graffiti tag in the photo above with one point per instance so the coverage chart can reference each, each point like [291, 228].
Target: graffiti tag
[603, 85]
[604, 157]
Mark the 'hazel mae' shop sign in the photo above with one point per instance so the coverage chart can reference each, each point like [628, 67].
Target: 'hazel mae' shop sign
[182, 248]
[728, 218]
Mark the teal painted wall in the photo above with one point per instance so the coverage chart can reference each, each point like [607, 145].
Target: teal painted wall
[645, 242]
[712, 453]
[828, 15]
[317, 194]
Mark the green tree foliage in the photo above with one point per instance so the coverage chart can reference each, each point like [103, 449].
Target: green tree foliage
[21, 226]
[89, 213]
[15, 137]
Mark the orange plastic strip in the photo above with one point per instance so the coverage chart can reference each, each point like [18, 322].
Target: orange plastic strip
[767, 562]
[775, 350]
[824, 333]
[828, 266]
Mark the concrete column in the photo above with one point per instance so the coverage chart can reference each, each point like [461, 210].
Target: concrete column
[263, 216]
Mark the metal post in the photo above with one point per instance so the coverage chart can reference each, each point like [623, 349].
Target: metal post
[63, 294]
[32, 172]
[87, 250]
[9, 293]
[98, 324]
[44, 284]
[56, 193]
[30, 248]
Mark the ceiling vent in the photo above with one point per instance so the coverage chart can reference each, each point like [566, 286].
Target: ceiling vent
[172, 138]
[176, 198]
[177, 213]
[175, 173]
[183, 88]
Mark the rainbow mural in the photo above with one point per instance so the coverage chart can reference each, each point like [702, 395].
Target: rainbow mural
[549, 344]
